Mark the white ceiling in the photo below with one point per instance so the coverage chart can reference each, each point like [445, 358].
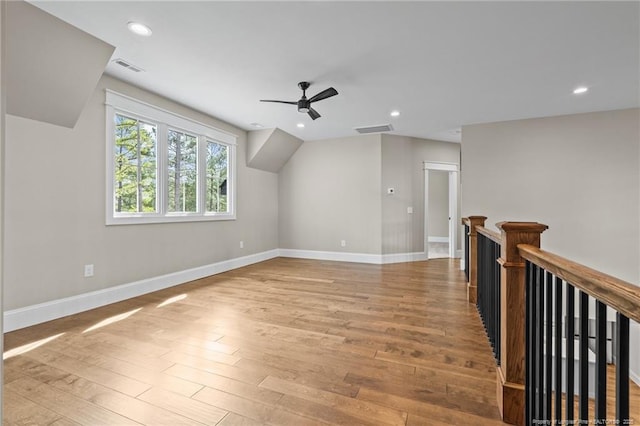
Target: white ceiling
[442, 64]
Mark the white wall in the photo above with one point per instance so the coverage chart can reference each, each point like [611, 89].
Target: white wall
[330, 191]
[579, 174]
[55, 211]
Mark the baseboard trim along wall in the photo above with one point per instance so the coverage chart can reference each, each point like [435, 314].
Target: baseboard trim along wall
[30, 315]
[433, 239]
[35, 314]
[377, 259]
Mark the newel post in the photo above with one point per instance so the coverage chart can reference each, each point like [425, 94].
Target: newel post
[511, 371]
[472, 286]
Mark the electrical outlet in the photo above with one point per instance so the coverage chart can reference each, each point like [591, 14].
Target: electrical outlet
[410, 210]
[343, 243]
[88, 270]
[241, 244]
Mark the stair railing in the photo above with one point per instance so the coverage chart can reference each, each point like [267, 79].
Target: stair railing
[531, 318]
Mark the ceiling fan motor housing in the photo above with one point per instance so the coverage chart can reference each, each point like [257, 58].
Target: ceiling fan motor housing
[303, 105]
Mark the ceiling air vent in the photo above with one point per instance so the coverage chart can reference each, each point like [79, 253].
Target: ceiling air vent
[375, 129]
[127, 65]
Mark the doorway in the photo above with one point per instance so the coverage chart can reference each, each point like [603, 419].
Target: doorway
[440, 210]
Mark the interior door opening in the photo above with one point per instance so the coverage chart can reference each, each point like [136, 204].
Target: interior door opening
[438, 191]
[440, 210]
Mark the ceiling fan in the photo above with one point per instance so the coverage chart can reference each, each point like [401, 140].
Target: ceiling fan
[304, 104]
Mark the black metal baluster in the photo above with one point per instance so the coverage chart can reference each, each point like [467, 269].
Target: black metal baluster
[528, 345]
[583, 373]
[547, 345]
[539, 346]
[570, 377]
[558, 350]
[601, 363]
[483, 284]
[480, 283]
[622, 369]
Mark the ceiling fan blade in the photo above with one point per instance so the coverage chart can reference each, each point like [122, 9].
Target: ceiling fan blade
[324, 95]
[313, 113]
[280, 102]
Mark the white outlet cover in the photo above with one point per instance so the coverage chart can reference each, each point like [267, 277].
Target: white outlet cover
[88, 270]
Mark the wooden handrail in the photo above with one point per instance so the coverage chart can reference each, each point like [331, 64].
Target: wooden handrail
[616, 293]
[492, 235]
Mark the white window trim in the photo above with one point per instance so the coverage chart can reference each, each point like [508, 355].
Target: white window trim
[118, 103]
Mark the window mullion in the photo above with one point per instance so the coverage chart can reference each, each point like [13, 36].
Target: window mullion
[162, 169]
[202, 173]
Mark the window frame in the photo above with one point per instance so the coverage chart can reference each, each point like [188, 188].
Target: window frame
[164, 120]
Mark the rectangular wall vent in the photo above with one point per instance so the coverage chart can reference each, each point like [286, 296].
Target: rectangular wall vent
[127, 65]
[375, 129]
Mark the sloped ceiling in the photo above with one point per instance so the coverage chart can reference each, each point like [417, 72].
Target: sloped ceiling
[52, 67]
[270, 149]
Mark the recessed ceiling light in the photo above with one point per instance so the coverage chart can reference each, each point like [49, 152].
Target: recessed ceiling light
[579, 90]
[300, 125]
[138, 28]
[256, 124]
[395, 113]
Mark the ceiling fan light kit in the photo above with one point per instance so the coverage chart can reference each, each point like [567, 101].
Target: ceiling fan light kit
[304, 104]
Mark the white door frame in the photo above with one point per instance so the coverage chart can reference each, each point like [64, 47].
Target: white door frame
[452, 168]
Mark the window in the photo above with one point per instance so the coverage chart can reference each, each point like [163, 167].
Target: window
[162, 167]
[183, 172]
[135, 165]
[217, 170]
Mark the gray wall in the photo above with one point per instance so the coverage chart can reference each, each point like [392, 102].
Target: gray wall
[55, 211]
[330, 191]
[438, 203]
[3, 6]
[579, 174]
[398, 226]
[403, 161]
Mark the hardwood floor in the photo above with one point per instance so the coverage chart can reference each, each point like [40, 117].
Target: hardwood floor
[283, 342]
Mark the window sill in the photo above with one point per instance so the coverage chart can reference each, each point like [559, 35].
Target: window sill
[170, 218]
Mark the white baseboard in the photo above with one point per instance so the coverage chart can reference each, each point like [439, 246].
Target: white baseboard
[404, 257]
[438, 239]
[635, 377]
[35, 314]
[377, 259]
[30, 315]
[331, 255]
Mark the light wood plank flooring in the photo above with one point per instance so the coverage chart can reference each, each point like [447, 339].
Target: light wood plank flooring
[283, 342]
